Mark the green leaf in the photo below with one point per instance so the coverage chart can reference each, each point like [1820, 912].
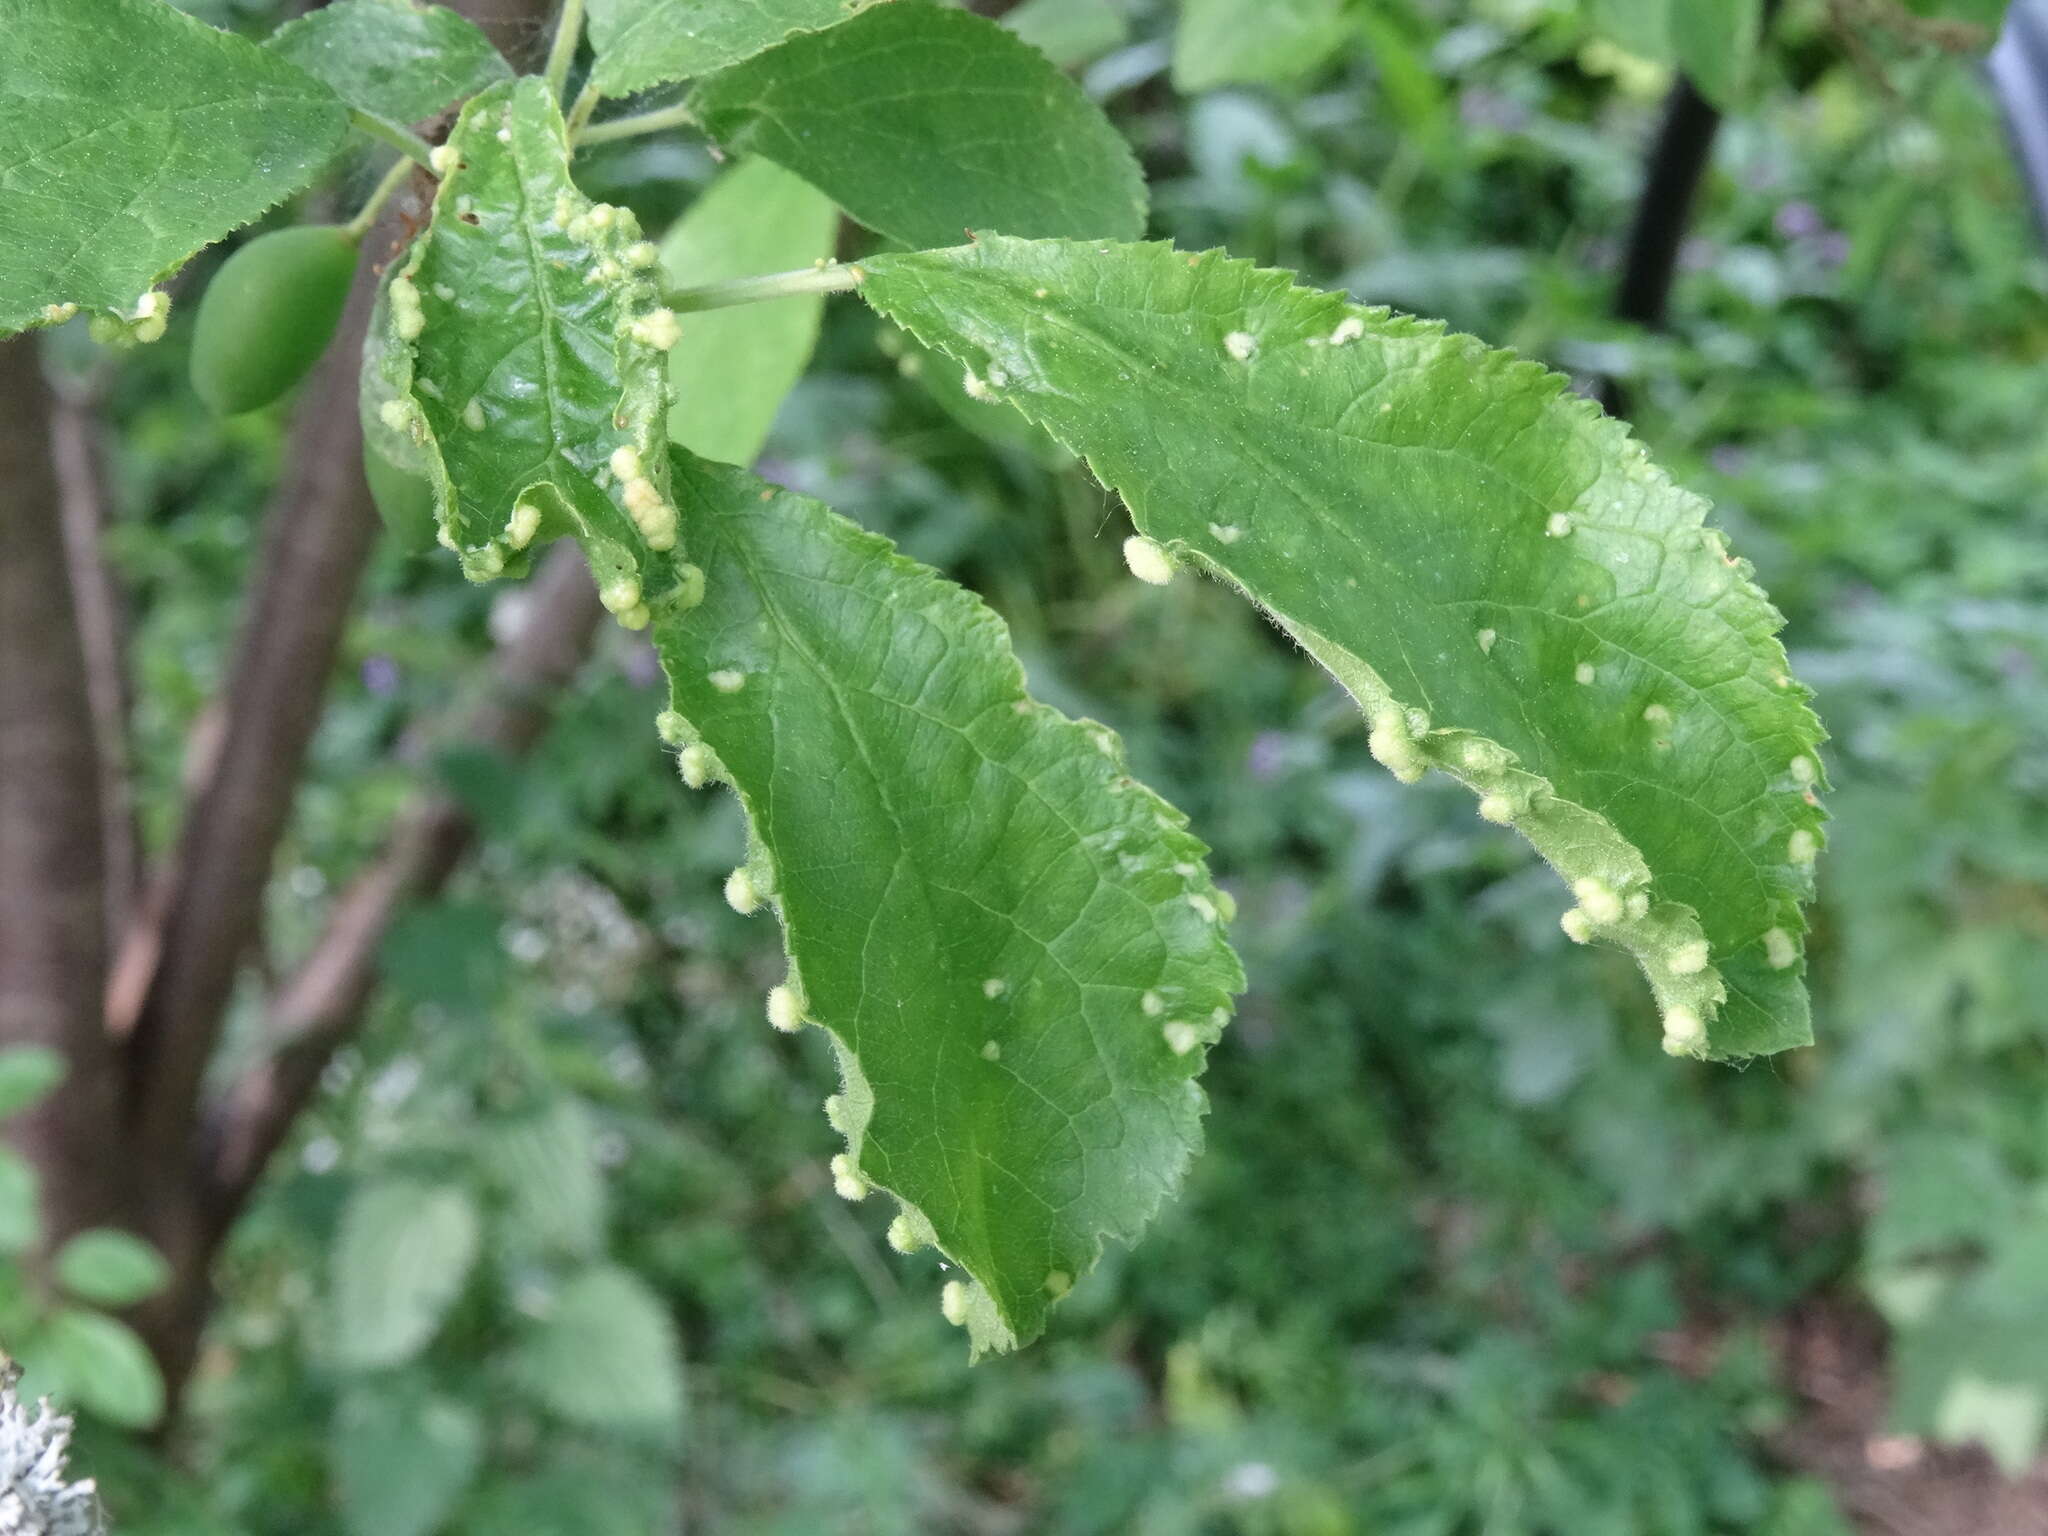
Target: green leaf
[111, 1268]
[20, 1215]
[27, 1075]
[607, 1356]
[923, 122]
[1713, 41]
[132, 135]
[640, 43]
[1069, 32]
[97, 1363]
[733, 367]
[1014, 944]
[401, 1258]
[1511, 590]
[402, 1459]
[397, 60]
[547, 1165]
[1256, 42]
[521, 362]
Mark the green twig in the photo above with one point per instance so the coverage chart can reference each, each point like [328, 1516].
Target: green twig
[585, 104]
[830, 278]
[568, 32]
[411, 145]
[394, 178]
[678, 116]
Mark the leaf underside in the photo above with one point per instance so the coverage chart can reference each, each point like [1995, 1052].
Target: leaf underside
[397, 60]
[130, 136]
[924, 122]
[1514, 594]
[1014, 945]
[642, 43]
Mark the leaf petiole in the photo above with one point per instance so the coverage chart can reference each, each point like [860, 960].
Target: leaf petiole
[678, 116]
[394, 178]
[828, 277]
[568, 32]
[411, 145]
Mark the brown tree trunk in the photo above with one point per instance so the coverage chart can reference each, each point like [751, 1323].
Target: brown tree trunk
[52, 935]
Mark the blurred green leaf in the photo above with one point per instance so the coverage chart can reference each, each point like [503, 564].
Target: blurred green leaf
[120, 162]
[732, 367]
[1257, 42]
[401, 1257]
[607, 1356]
[20, 1215]
[1498, 575]
[402, 1459]
[547, 1166]
[111, 1268]
[924, 122]
[97, 1363]
[1069, 32]
[1014, 944]
[397, 60]
[27, 1075]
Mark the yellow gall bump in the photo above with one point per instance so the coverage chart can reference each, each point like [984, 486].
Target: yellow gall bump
[1779, 950]
[994, 988]
[640, 495]
[1598, 899]
[619, 596]
[1638, 905]
[740, 894]
[1583, 673]
[784, 1012]
[57, 314]
[991, 1051]
[903, 1234]
[1180, 1036]
[473, 416]
[1241, 345]
[601, 215]
[625, 463]
[1486, 637]
[835, 1113]
[1801, 847]
[672, 728]
[953, 1303]
[1149, 562]
[1804, 772]
[727, 680]
[1205, 909]
[1349, 329]
[1498, 809]
[1684, 1034]
[658, 328]
[641, 255]
[1153, 1004]
[637, 617]
[1558, 525]
[1575, 926]
[693, 765]
[1688, 959]
[1657, 714]
[1225, 533]
[442, 158]
[1392, 744]
[524, 524]
[971, 383]
[395, 414]
[565, 209]
[1057, 1283]
[846, 1180]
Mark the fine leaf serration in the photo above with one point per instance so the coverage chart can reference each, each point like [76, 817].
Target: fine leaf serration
[1512, 591]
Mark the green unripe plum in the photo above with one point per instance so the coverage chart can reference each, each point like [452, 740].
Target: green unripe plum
[268, 314]
[405, 501]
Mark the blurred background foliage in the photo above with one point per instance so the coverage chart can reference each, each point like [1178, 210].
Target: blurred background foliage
[557, 1253]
